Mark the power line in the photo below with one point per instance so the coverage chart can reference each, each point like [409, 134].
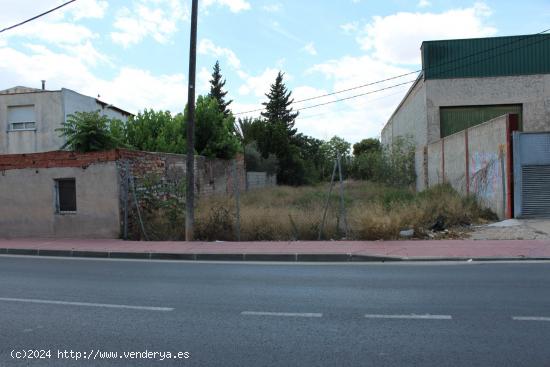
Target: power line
[38, 16]
[397, 85]
[355, 96]
[302, 117]
[409, 73]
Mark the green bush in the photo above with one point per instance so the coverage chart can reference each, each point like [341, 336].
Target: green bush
[393, 165]
[90, 132]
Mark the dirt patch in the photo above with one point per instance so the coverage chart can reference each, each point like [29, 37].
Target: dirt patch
[513, 229]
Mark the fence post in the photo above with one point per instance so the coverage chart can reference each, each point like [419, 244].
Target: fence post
[237, 197]
[328, 200]
[126, 188]
[342, 216]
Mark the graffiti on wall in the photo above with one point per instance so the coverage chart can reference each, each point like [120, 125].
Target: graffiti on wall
[485, 174]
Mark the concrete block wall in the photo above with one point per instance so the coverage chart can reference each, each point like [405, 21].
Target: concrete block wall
[488, 150]
[421, 161]
[410, 118]
[454, 161]
[476, 162]
[260, 180]
[434, 166]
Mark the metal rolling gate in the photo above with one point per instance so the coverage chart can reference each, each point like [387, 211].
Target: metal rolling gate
[531, 174]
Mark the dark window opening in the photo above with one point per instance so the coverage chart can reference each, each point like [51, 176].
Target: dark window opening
[456, 119]
[66, 195]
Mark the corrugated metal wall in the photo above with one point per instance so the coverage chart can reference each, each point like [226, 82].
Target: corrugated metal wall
[531, 175]
[456, 119]
[484, 57]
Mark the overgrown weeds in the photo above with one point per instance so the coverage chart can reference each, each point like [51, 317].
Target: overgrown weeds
[374, 212]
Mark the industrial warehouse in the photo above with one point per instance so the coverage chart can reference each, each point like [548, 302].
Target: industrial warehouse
[479, 115]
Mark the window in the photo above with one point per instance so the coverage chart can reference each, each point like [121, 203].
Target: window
[21, 118]
[65, 195]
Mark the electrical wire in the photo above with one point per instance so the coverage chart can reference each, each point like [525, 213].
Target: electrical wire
[355, 96]
[410, 73]
[306, 117]
[37, 16]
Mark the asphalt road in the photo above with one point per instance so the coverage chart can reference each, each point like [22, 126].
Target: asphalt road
[274, 314]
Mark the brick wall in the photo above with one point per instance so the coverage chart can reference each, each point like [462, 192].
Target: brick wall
[55, 159]
[211, 175]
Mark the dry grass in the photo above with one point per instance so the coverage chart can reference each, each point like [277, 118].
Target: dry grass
[374, 212]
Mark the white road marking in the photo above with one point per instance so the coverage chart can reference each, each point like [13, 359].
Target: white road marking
[410, 316]
[86, 304]
[284, 314]
[530, 318]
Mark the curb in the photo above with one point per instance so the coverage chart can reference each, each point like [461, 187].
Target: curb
[249, 257]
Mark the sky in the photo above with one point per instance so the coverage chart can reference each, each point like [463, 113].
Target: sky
[135, 53]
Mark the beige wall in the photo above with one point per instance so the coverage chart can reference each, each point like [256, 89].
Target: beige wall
[28, 203]
[455, 161]
[532, 91]
[410, 118]
[486, 154]
[487, 160]
[48, 108]
[435, 174]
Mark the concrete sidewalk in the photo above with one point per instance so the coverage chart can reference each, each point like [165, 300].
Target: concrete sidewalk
[284, 251]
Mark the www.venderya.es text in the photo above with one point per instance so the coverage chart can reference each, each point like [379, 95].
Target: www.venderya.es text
[96, 354]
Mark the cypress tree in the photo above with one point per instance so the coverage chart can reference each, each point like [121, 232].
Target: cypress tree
[216, 89]
[277, 108]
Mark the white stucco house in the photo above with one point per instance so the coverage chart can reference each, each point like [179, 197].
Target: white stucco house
[29, 117]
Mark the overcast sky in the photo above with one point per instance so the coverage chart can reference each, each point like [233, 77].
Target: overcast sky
[134, 53]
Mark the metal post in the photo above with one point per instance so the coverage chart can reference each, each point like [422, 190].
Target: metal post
[190, 191]
[342, 217]
[328, 200]
[237, 197]
[126, 189]
[503, 174]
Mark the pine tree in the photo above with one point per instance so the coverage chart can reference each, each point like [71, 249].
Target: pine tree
[216, 89]
[277, 108]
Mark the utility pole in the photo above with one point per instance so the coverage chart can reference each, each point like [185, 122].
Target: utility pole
[190, 191]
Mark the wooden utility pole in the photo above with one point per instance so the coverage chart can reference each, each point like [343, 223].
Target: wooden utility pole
[190, 191]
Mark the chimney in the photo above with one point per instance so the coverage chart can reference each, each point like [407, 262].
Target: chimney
[43, 85]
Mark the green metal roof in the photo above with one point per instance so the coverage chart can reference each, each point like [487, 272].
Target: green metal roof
[485, 57]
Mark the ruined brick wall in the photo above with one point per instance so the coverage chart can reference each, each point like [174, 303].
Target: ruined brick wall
[158, 182]
[212, 176]
[55, 159]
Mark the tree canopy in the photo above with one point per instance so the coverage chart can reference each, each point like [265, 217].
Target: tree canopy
[89, 132]
[366, 146]
[157, 131]
[214, 131]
